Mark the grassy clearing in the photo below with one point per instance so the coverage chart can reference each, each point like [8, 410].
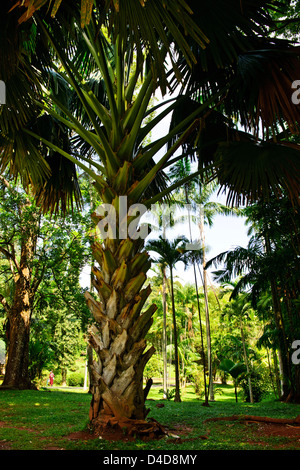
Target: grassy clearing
[36, 420]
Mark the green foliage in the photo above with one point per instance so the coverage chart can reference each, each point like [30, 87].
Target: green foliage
[170, 393]
[229, 66]
[75, 379]
[41, 355]
[154, 367]
[258, 384]
[59, 312]
[234, 369]
[198, 381]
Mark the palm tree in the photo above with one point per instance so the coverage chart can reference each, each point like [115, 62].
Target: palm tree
[122, 169]
[196, 194]
[238, 308]
[186, 299]
[170, 253]
[235, 370]
[269, 264]
[165, 219]
[121, 166]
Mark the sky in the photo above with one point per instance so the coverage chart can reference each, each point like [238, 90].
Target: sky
[226, 233]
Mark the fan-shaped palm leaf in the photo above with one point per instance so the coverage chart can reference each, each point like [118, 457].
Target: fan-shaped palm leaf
[254, 171]
[144, 25]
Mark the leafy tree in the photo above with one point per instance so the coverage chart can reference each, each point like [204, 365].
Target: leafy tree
[19, 226]
[239, 308]
[60, 340]
[235, 370]
[186, 299]
[34, 249]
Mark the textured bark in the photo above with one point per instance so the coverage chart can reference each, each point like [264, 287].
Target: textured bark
[117, 335]
[20, 309]
[16, 371]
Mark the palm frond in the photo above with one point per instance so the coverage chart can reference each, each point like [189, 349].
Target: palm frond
[261, 93]
[231, 27]
[19, 156]
[60, 189]
[258, 171]
[146, 26]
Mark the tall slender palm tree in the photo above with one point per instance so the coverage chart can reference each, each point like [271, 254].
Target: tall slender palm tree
[171, 253]
[165, 219]
[196, 194]
[238, 308]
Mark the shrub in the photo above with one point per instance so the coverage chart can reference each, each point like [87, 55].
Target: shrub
[258, 384]
[75, 379]
[198, 383]
[170, 393]
[154, 368]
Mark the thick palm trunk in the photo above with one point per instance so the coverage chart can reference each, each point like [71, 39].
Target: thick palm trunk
[118, 335]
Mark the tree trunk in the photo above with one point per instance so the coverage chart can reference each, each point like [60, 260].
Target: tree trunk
[202, 342]
[20, 310]
[16, 371]
[283, 351]
[164, 345]
[276, 373]
[205, 291]
[246, 362]
[177, 378]
[64, 377]
[198, 304]
[118, 334]
[235, 390]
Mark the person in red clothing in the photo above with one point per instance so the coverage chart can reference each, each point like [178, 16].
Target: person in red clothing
[51, 378]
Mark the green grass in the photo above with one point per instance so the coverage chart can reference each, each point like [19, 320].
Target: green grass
[44, 419]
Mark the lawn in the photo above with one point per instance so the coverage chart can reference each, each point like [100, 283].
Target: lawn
[55, 419]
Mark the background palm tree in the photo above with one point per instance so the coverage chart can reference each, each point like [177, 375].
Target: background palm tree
[164, 215]
[196, 195]
[239, 308]
[270, 264]
[171, 253]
